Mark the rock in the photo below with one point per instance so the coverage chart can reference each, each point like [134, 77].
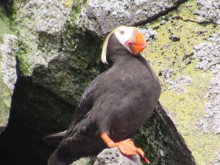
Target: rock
[189, 76]
[85, 160]
[109, 157]
[113, 156]
[50, 48]
[162, 140]
[102, 17]
[209, 59]
[8, 74]
[208, 11]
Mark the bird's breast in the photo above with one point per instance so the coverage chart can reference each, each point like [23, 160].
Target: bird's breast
[125, 98]
[130, 102]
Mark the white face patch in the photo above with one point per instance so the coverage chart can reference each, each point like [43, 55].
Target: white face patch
[123, 34]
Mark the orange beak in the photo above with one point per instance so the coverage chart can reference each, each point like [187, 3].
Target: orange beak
[137, 43]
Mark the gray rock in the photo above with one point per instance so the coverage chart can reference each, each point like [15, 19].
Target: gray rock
[102, 17]
[109, 157]
[84, 161]
[43, 15]
[113, 156]
[209, 11]
[50, 46]
[163, 143]
[8, 64]
[8, 75]
[40, 24]
[208, 54]
[178, 86]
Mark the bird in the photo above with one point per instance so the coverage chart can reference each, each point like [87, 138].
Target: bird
[114, 105]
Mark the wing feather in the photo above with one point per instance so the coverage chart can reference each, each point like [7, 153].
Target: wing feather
[85, 105]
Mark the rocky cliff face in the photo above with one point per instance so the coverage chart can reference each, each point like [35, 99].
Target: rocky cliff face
[50, 51]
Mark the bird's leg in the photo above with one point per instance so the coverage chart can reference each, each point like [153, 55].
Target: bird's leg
[126, 147]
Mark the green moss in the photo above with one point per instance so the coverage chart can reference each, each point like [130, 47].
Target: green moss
[13, 12]
[82, 50]
[186, 109]
[5, 101]
[25, 58]
[5, 92]
[4, 23]
[77, 6]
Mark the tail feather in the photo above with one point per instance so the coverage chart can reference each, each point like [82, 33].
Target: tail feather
[70, 150]
[55, 138]
[78, 141]
[54, 161]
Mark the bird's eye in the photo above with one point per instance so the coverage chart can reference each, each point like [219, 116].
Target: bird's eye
[122, 32]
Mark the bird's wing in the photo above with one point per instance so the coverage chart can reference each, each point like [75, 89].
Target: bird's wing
[85, 105]
[83, 108]
[86, 101]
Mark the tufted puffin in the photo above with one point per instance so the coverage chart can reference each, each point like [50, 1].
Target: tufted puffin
[114, 105]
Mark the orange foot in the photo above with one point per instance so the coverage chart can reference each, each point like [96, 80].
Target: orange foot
[126, 147]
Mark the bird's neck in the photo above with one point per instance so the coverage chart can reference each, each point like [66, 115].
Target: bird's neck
[120, 56]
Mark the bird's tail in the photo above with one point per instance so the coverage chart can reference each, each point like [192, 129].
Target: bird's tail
[70, 150]
[54, 161]
[55, 138]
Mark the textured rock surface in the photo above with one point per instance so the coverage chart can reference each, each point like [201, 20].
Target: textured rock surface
[113, 156]
[85, 160]
[160, 135]
[209, 60]
[57, 44]
[109, 157]
[208, 11]
[7, 67]
[50, 46]
[188, 69]
[102, 17]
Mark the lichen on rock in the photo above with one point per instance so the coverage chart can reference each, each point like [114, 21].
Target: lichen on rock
[8, 64]
[39, 32]
[8, 74]
[209, 59]
[208, 11]
[192, 57]
[210, 123]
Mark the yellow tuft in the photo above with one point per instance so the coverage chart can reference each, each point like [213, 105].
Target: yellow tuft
[104, 46]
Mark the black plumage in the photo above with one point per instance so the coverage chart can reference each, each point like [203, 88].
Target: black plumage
[117, 102]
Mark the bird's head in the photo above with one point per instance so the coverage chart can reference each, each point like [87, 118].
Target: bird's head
[129, 37]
